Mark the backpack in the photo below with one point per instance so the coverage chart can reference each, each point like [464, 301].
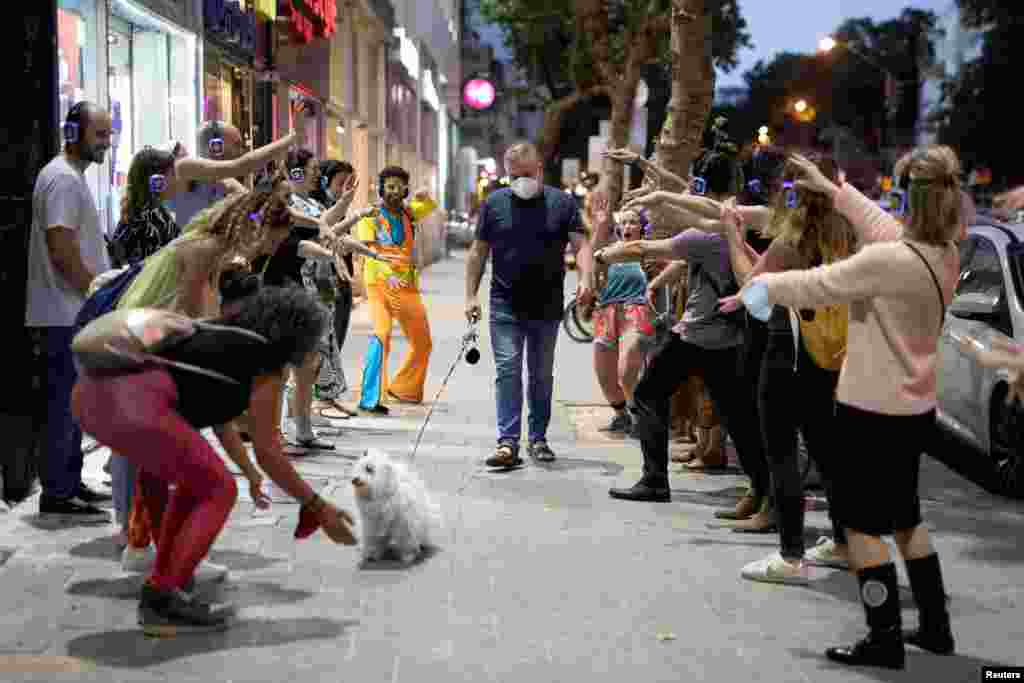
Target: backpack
[824, 332]
[129, 340]
[106, 291]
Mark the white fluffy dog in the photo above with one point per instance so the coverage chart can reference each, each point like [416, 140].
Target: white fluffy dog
[397, 516]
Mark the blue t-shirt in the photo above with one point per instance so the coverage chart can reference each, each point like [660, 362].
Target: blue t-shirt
[627, 284]
[528, 239]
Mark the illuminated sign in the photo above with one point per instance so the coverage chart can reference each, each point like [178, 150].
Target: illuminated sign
[478, 94]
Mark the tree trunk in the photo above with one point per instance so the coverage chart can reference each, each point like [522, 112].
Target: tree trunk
[554, 114]
[693, 89]
[623, 100]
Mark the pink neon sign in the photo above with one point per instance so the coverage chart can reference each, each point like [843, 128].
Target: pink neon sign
[478, 94]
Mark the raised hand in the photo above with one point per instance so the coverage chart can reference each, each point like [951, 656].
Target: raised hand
[623, 155]
[812, 179]
[600, 208]
[299, 120]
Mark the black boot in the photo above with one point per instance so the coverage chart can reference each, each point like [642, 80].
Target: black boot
[644, 490]
[883, 646]
[933, 633]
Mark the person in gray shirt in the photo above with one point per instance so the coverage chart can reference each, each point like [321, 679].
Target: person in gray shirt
[706, 340]
[66, 251]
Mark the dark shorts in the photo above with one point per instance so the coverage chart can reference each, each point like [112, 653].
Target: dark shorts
[876, 469]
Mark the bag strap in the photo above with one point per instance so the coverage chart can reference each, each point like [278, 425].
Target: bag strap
[935, 279]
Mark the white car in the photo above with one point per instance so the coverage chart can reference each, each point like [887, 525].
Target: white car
[988, 303]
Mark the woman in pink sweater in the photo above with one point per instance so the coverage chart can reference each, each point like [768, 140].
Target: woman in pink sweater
[897, 288]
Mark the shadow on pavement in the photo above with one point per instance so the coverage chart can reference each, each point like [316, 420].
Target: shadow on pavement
[241, 593]
[131, 649]
[394, 564]
[105, 549]
[921, 666]
[607, 469]
[768, 539]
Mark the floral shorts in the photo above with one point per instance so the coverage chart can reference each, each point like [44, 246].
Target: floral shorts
[612, 322]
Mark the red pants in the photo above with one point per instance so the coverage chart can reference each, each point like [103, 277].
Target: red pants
[134, 414]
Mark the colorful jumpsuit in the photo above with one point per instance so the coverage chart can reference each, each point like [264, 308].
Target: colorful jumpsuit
[392, 290]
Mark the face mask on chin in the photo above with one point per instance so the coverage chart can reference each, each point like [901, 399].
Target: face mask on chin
[526, 188]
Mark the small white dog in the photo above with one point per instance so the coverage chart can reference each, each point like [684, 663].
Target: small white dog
[397, 516]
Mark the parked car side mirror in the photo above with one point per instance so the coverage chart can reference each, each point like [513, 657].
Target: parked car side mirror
[975, 306]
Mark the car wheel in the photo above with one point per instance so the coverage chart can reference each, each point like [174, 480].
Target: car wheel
[1007, 444]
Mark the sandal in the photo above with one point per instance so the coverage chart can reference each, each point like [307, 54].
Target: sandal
[505, 456]
[332, 412]
[541, 452]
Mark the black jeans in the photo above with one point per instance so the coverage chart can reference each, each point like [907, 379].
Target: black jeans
[789, 400]
[666, 372]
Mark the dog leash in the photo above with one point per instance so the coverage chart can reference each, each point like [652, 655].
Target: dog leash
[471, 353]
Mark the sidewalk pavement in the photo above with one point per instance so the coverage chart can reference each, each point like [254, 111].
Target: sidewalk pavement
[540, 577]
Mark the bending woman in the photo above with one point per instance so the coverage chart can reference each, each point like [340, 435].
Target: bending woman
[897, 288]
[153, 416]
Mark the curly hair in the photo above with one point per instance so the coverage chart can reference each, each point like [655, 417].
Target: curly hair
[290, 318]
[147, 162]
[814, 228]
[243, 220]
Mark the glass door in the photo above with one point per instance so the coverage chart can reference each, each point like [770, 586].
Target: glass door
[119, 56]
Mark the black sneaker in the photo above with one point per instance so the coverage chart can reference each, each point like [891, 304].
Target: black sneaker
[165, 614]
[71, 510]
[91, 496]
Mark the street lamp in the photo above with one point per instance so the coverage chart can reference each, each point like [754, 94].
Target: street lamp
[800, 106]
[827, 44]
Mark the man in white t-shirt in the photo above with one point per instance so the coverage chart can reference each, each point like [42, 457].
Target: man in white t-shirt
[66, 251]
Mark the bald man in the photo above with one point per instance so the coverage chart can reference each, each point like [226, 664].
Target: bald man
[66, 251]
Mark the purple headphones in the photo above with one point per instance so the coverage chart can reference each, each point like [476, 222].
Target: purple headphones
[157, 183]
[297, 174]
[791, 196]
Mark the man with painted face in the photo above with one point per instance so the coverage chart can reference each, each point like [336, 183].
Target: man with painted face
[527, 228]
[393, 293]
[66, 251]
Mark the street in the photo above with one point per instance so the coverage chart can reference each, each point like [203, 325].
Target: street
[540, 577]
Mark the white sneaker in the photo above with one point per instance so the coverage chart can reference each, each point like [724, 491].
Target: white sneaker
[775, 569]
[138, 559]
[824, 554]
[208, 572]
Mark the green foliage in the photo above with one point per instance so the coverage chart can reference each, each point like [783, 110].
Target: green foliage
[980, 118]
[542, 37]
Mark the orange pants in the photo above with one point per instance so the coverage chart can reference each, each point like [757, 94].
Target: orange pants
[405, 305]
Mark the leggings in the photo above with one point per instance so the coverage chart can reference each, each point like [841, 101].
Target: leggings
[788, 400]
[135, 415]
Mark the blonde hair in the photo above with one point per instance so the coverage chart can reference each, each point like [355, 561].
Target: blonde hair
[521, 151]
[936, 202]
[243, 220]
[814, 228]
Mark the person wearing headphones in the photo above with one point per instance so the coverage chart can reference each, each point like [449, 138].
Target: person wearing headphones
[392, 290]
[66, 251]
[200, 182]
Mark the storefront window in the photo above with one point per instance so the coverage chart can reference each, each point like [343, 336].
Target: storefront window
[77, 65]
[228, 95]
[152, 82]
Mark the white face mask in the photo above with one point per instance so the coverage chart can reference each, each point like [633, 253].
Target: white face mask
[526, 188]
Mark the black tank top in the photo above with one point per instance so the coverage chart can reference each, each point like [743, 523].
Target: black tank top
[207, 401]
